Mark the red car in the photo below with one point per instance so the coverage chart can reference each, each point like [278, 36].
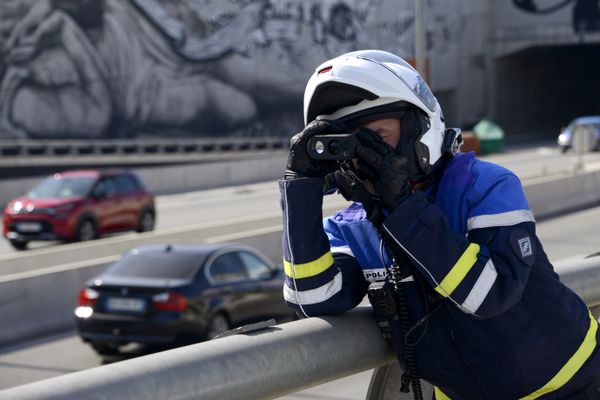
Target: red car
[78, 206]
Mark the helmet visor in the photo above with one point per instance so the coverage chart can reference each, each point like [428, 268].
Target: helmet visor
[395, 110]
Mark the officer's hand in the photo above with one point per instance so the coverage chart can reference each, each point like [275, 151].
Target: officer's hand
[299, 162]
[387, 171]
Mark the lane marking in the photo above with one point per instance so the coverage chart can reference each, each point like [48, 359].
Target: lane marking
[240, 235]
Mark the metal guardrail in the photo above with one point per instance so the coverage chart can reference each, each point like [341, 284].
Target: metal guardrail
[51, 148]
[259, 365]
[265, 364]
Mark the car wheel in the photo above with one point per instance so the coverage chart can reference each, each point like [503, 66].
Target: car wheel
[19, 244]
[86, 230]
[218, 324]
[564, 149]
[146, 221]
[105, 349]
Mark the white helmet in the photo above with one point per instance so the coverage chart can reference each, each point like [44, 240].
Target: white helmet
[365, 85]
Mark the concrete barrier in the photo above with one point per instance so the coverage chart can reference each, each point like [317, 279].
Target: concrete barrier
[44, 303]
[553, 195]
[178, 178]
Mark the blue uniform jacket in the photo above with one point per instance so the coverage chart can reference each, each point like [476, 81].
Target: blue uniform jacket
[500, 324]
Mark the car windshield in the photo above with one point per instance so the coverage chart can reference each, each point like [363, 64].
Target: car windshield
[158, 265]
[62, 187]
[595, 123]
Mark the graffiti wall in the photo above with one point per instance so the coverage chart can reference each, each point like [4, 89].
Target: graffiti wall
[132, 68]
[521, 24]
[129, 68]
[584, 15]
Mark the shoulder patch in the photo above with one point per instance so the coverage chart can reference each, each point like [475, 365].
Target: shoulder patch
[523, 246]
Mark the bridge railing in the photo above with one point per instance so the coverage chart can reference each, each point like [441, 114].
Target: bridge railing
[151, 147]
[263, 364]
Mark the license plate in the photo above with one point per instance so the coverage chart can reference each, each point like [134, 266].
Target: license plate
[29, 227]
[125, 304]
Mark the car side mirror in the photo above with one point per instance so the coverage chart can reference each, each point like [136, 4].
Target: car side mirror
[275, 271]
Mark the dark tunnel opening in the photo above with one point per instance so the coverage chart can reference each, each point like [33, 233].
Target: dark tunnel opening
[540, 90]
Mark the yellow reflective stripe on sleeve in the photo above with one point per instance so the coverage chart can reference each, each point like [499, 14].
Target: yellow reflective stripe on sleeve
[439, 395]
[572, 366]
[306, 270]
[459, 271]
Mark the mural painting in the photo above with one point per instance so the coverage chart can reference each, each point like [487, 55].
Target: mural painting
[585, 17]
[139, 68]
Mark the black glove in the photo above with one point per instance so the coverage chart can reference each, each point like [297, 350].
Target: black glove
[387, 171]
[299, 162]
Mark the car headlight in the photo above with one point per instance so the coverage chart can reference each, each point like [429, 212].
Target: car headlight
[14, 208]
[563, 139]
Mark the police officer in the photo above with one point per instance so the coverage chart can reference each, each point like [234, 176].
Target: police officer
[489, 317]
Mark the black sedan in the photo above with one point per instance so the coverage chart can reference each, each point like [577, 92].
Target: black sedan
[178, 294]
